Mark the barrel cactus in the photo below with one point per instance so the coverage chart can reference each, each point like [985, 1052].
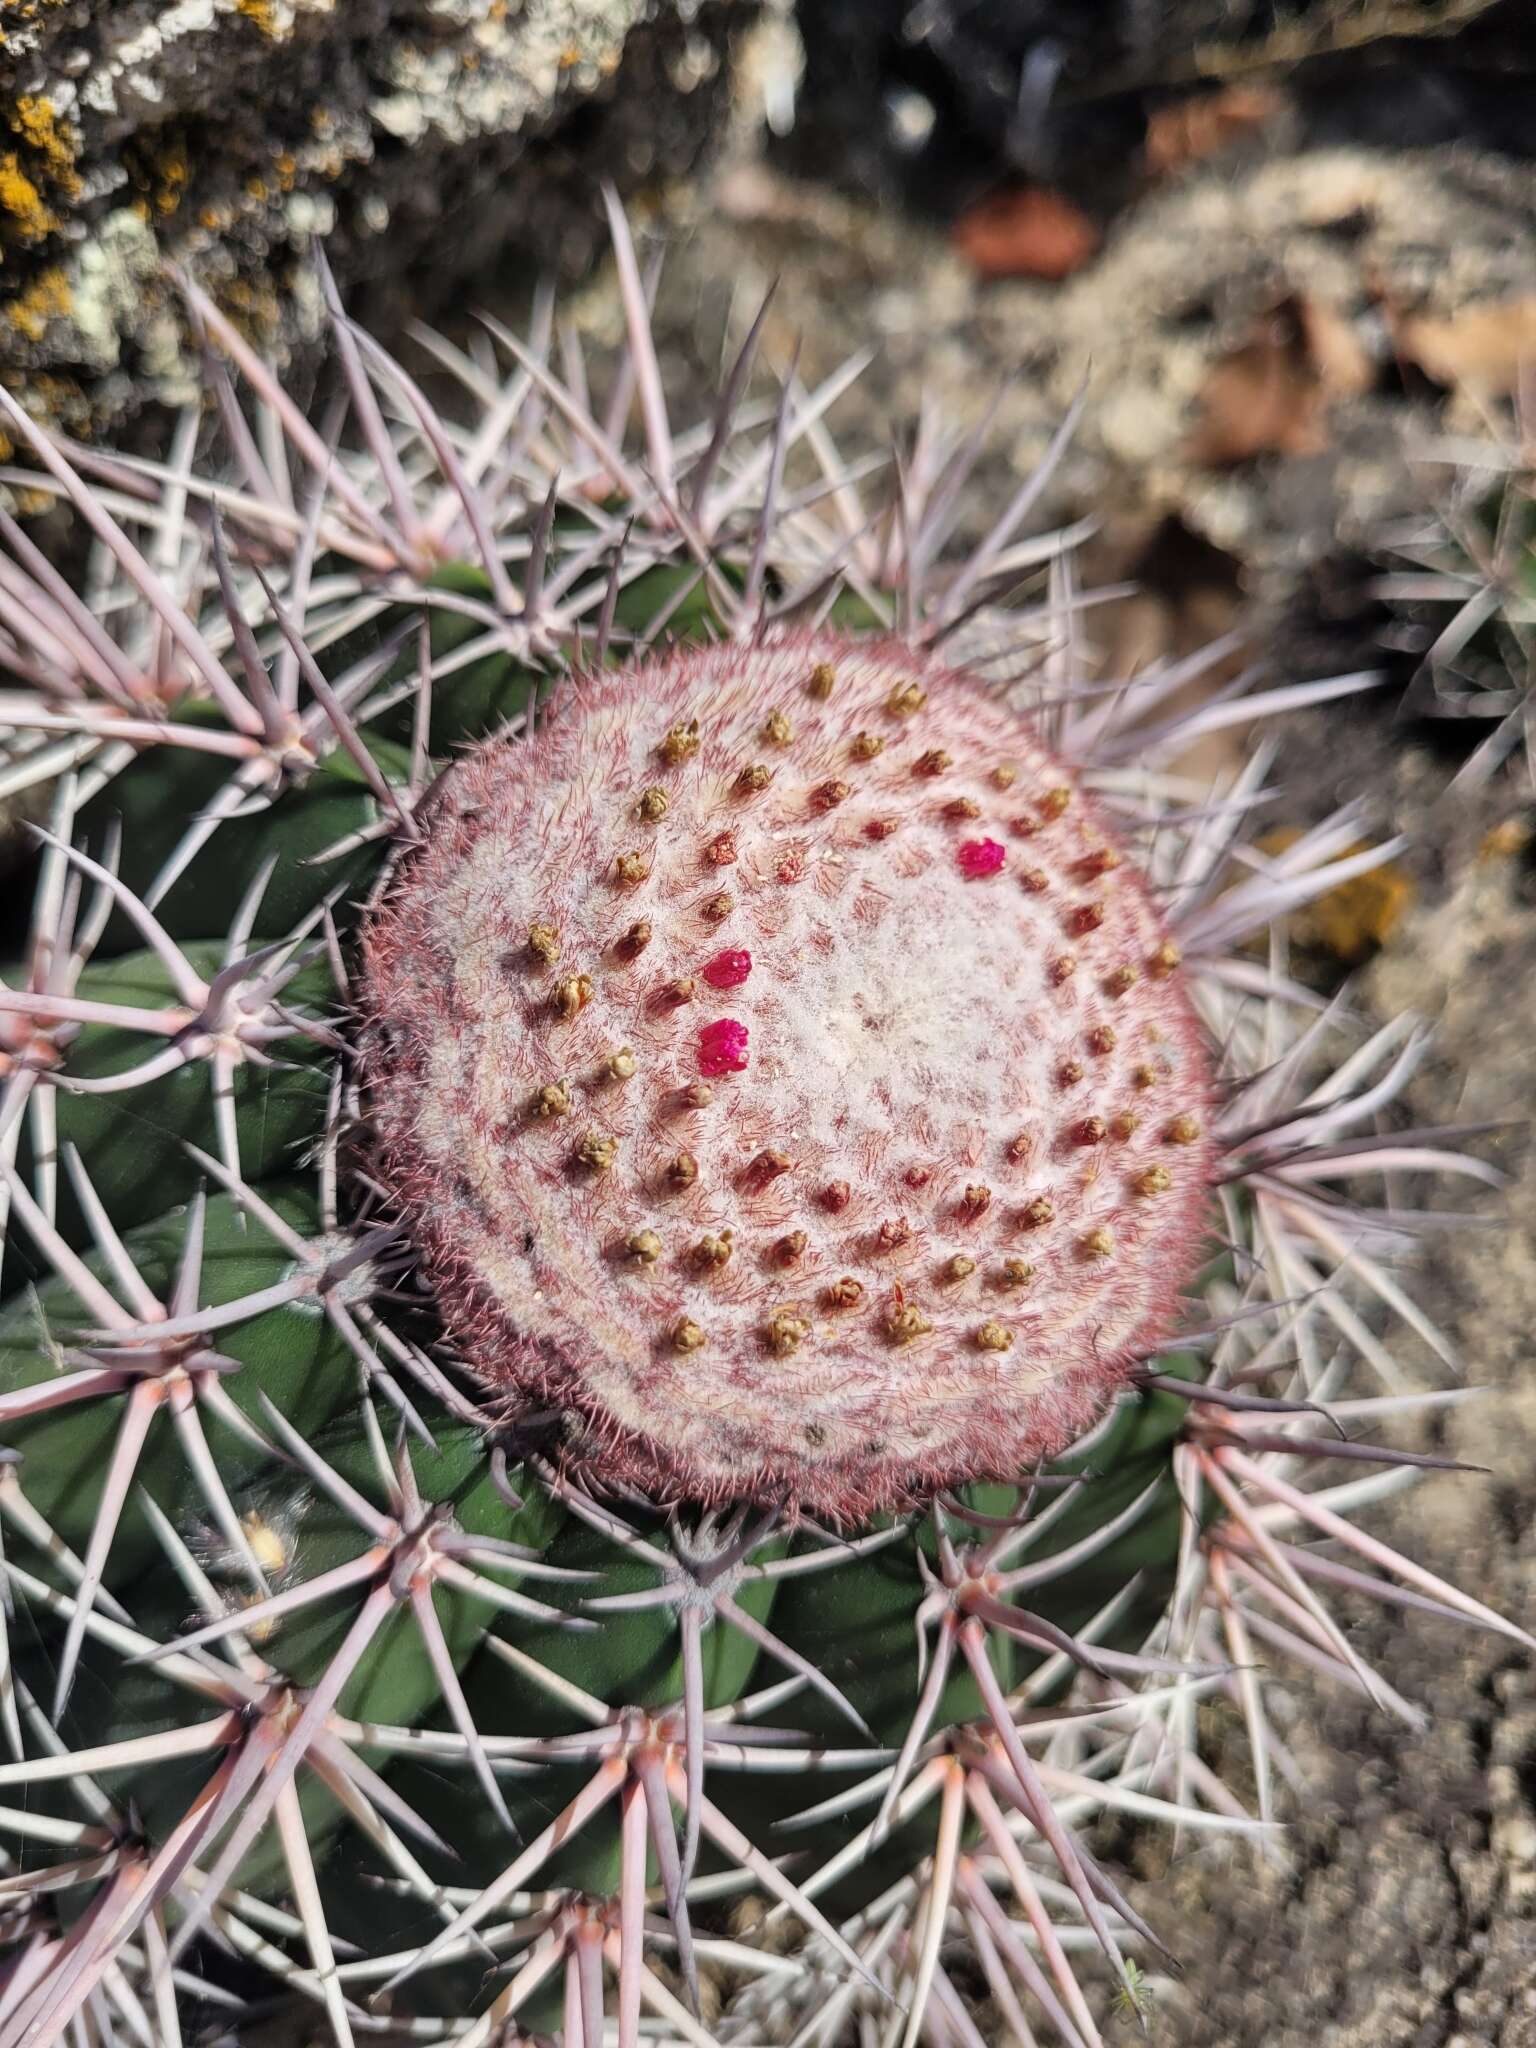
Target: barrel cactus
[683, 1278]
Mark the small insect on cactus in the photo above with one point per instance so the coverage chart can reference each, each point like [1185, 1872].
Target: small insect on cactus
[677, 1286]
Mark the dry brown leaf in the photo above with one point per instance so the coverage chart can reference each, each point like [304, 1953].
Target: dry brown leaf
[1027, 231]
[1271, 395]
[1481, 349]
[1264, 398]
[1345, 366]
[1195, 129]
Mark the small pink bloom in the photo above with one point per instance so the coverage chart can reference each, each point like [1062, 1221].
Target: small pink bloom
[978, 857]
[723, 1047]
[728, 969]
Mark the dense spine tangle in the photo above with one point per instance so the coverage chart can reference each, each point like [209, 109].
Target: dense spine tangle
[900, 996]
[1459, 595]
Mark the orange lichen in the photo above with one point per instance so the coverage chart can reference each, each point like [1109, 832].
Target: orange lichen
[30, 216]
[44, 299]
[1353, 920]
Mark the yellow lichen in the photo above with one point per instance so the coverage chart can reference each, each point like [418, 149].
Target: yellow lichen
[30, 217]
[45, 298]
[1506, 841]
[168, 181]
[40, 168]
[35, 123]
[255, 304]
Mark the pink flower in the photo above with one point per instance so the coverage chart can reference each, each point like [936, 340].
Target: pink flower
[723, 1047]
[728, 969]
[979, 857]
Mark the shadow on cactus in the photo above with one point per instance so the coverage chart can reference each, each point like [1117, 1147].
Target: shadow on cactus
[682, 1274]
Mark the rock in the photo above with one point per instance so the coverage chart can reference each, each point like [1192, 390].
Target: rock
[430, 141]
[1341, 241]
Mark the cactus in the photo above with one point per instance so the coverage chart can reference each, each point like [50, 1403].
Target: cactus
[1459, 587]
[676, 1286]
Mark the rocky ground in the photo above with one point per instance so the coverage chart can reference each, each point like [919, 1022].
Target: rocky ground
[1244, 378]
[1403, 1913]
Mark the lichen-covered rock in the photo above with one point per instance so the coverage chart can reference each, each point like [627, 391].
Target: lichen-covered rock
[427, 140]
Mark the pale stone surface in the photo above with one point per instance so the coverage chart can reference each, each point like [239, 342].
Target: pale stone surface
[431, 142]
